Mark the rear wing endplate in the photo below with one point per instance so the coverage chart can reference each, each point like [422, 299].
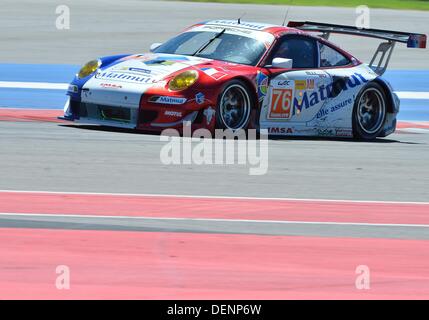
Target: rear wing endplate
[385, 49]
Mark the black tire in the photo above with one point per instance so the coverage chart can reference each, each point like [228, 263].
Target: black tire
[235, 115]
[369, 112]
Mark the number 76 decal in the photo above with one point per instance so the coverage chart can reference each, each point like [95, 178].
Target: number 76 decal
[281, 104]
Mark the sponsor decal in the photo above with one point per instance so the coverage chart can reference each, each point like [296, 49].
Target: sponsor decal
[209, 113]
[262, 85]
[277, 130]
[160, 84]
[200, 98]
[132, 57]
[324, 112]
[341, 105]
[300, 84]
[325, 132]
[214, 73]
[343, 132]
[123, 77]
[162, 60]
[416, 41]
[314, 73]
[304, 84]
[138, 70]
[230, 29]
[281, 100]
[73, 88]
[172, 113]
[167, 100]
[284, 83]
[325, 92]
[241, 24]
[110, 85]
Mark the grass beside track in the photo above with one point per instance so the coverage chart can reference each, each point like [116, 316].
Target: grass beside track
[389, 4]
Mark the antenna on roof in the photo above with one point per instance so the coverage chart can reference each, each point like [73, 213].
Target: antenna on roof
[239, 19]
[284, 20]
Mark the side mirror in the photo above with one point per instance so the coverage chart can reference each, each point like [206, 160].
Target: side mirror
[154, 46]
[282, 63]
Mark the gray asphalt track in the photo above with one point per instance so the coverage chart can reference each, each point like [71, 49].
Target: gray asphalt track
[52, 157]
[105, 27]
[276, 228]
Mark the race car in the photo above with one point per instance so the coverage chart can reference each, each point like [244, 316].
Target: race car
[231, 74]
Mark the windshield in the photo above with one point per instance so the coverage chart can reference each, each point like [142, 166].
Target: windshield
[228, 47]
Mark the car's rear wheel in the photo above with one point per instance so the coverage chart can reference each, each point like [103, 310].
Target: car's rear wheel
[369, 113]
[234, 106]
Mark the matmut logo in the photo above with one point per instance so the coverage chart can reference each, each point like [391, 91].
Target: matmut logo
[324, 92]
[168, 100]
[123, 77]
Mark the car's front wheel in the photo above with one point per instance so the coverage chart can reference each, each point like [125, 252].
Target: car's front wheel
[369, 113]
[234, 106]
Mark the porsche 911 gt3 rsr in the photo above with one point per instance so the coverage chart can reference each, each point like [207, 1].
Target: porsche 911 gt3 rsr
[240, 75]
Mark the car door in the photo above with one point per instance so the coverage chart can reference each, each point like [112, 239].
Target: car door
[348, 78]
[295, 95]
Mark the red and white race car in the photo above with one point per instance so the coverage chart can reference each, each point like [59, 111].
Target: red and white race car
[239, 75]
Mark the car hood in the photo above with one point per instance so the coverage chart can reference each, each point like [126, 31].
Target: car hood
[146, 68]
[124, 81]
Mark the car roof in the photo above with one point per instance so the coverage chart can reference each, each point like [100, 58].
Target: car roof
[275, 30]
[255, 26]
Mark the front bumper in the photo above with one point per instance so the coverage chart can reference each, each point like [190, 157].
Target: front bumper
[92, 113]
[146, 117]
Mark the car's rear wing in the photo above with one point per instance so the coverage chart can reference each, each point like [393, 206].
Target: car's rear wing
[413, 40]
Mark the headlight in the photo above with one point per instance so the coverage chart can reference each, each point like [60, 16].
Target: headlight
[183, 80]
[89, 68]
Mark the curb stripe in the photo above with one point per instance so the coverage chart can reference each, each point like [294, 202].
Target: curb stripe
[183, 196]
[149, 218]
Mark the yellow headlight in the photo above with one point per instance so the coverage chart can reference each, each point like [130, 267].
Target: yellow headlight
[183, 80]
[89, 68]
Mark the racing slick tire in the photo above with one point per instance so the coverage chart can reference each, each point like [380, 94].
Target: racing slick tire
[369, 112]
[234, 106]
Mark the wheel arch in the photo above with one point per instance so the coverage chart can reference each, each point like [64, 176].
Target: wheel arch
[252, 89]
[255, 112]
[388, 93]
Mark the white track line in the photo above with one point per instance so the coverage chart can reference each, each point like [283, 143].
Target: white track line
[45, 215]
[413, 95]
[414, 130]
[213, 197]
[33, 85]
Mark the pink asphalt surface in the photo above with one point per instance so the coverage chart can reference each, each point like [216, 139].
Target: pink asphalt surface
[30, 115]
[121, 265]
[50, 115]
[161, 265]
[214, 208]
